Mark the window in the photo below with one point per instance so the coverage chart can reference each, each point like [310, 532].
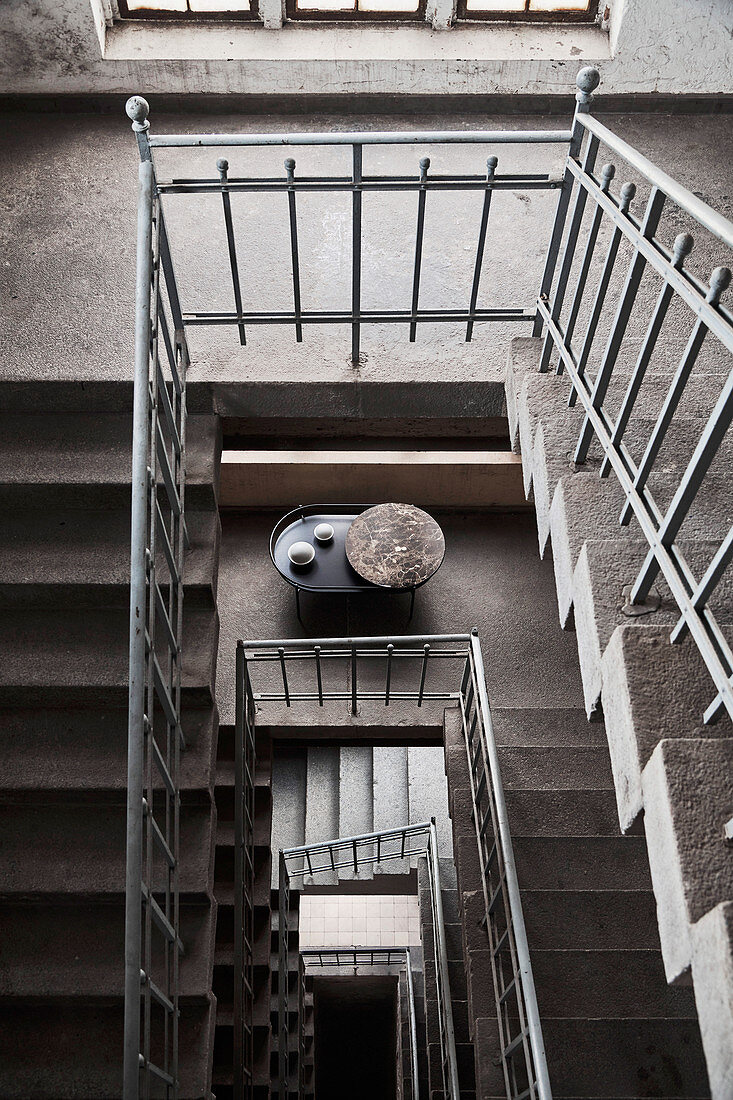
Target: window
[188, 9]
[499, 10]
[356, 9]
[537, 10]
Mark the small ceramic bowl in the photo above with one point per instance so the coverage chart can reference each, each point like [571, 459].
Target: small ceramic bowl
[301, 554]
[323, 532]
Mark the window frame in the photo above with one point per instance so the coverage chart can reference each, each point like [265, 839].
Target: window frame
[356, 16]
[526, 16]
[148, 14]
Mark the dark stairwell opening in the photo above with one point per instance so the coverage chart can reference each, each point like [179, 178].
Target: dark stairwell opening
[355, 1037]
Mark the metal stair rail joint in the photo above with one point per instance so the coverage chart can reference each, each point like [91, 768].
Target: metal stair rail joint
[424, 670]
[367, 957]
[593, 353]
[153, 945]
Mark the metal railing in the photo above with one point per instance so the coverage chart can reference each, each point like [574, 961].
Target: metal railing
[359, 851]
[367, 957]
[386, 671]
[357, 183]
[244, 881]
[591, 372]
[155, 738]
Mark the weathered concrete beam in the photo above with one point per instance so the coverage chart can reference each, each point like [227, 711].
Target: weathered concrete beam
[489, 479]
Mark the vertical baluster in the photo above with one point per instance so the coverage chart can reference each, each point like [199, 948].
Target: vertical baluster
[587, 81]
[317, 651]
[390, 650]
[607, 173]
[294, 255]
[649, 225]
[491, 164]
[284, 672]
[353, 680]
[706, 587]
[421, 196]
[719, 280]
[682, 248]
[426, 657]
[223, 166]
[717, 425]
[356, 255]
[581, 197]
[626, 196]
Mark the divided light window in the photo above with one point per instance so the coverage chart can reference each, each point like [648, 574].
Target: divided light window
[188, 9]
[532, 10]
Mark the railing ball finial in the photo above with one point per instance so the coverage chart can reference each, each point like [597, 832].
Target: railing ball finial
[626, 195]
[491, 163]
[682, 247]
[719, 283]
[289, 164]
[587, 81]
[138, 110]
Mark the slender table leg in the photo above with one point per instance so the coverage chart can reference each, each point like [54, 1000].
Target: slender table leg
[412, 604]
[297, 605]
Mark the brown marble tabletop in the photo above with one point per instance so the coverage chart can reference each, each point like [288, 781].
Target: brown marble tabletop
[395, 545]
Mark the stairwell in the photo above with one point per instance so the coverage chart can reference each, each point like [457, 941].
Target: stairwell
[671, 773]
[64, 598]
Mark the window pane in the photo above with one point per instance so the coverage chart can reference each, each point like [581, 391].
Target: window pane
[388, 5]
[495, 5]
[219, 5]
[559, 5]
[156, 5]
[326, 5]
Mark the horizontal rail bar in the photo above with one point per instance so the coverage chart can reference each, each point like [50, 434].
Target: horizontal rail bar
[307, 696]
[331, 185]
[375, 137]
[367, 643]
[715, 222]
[374, 316]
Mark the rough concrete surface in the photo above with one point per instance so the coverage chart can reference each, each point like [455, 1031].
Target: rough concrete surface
[687, 799]
[712, 971]
[651, 691]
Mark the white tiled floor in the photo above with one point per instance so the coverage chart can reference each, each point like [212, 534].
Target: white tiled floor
[359, 920]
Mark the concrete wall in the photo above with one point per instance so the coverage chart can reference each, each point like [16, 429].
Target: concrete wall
[665, 46]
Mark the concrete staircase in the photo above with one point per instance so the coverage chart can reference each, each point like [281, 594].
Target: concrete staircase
[325, 791]
[664, 761]
[64, 543]
[612, 1027]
